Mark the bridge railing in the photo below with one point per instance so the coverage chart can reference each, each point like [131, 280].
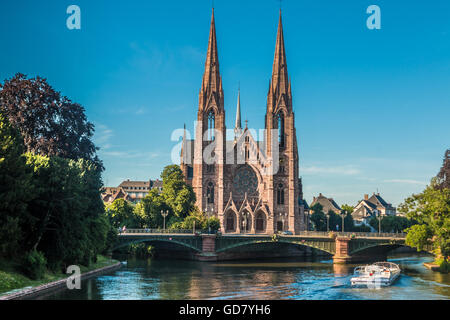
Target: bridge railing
[350, 234]
[159, 231]
[301, 233]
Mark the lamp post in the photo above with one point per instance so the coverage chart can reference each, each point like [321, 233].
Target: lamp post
[328, 222]
[379, 222]
[283, 220]
[209, 212]
[164, 214]
[343, 217]
[244, 222]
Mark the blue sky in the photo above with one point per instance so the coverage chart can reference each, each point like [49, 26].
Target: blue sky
[371, 106]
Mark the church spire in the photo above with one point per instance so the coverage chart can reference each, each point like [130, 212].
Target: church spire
[280, 79]
[279, 87]
[212, 82]
[238, 125]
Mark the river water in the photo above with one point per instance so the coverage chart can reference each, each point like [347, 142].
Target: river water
[261, 279]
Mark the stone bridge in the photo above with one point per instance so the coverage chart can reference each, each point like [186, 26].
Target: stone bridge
[343, 247]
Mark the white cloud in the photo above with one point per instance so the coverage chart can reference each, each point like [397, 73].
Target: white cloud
[132, 154]
[140, 111]
[338, 170]
[406, 181]
[102, 136]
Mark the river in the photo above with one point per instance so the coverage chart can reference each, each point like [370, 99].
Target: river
[257, 279]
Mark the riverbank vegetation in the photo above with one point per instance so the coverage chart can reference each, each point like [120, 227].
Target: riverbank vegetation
[51, 213]
[392, 224]
[11, 279]
[431, 209]
[425, 219]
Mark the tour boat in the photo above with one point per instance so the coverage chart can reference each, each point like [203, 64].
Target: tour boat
[379, 273]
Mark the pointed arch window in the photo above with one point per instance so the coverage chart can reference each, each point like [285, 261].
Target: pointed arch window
[210, 192]
[281, 127]
[211, 125]
[280, 194]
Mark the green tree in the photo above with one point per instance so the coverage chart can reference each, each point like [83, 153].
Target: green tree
[418, 236]
[67, 212]
[121, 213]
[318, 218]
[177, 198]
[51, 124]
[15, 189]
[335, 221]
[177, 195]
[347, 209]
[51, 213]
[149, 210]
[200, 220]
[391, 223]
[431, 209]
[213, 223]
[443, 177]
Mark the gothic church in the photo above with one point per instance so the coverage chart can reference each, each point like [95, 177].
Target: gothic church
[251, 186]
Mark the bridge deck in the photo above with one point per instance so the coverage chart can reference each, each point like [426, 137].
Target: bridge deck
[303, 234]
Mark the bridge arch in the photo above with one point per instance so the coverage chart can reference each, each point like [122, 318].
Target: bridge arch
[175, 242]
[327, 247]
[366, 248]
[385, 247]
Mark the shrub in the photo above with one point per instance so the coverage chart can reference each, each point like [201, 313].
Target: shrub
[444, 266]
[34, 264]
[212, 222]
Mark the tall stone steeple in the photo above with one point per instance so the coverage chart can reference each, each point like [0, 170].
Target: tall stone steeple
[281, 141]
[279, 87]
[211, 90]
[238, 125]
[210, 131]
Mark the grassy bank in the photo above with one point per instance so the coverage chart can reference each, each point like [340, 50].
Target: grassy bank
[11, 278]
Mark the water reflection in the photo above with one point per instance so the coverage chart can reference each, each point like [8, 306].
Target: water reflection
[284, 279]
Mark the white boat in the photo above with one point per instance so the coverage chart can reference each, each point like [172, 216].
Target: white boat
[377, 274]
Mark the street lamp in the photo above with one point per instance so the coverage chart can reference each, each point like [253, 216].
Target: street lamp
[209, 212]
[283, 220]
[164, 214]
[328, 222]
[245, 221]
[379, 222]
[342, 215]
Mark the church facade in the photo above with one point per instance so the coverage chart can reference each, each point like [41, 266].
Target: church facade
[251, 185]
